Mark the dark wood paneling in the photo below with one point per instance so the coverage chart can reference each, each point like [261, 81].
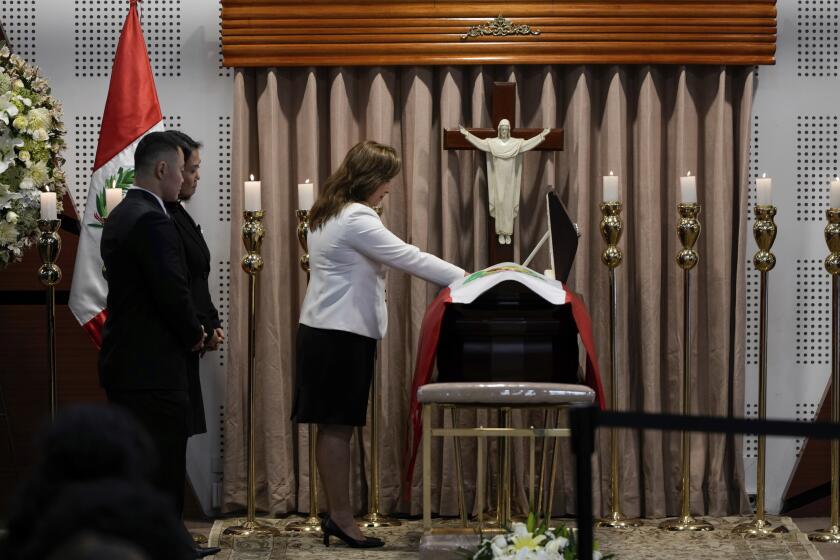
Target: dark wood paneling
[409, 32]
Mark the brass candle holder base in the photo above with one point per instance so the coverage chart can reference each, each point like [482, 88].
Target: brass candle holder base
[311, 524]
[617, 520]
[248, 529]
[376, 519]
[831, 535]
[758, 528]
[686, 523]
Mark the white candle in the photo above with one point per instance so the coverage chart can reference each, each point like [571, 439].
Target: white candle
[834, 198]
[112, 198]
[688, 188]
[549, 274]
[48, 206]
[306, 195]
[253, 201]
[610, 187]
[764, 190]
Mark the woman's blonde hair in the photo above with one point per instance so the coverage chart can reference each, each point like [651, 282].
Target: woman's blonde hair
[366, 167]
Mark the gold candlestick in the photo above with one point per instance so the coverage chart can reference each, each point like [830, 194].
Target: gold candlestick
[832, 265]
[302, 232]
[374, 518]
[312, 523]
[252, 236]
[764, 232]
[611, 229]
[688, 231]
[49, 247]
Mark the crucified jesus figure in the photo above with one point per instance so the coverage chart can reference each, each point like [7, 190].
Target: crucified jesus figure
[504, 173]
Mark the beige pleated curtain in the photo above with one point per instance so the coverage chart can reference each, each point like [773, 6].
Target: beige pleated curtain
[647, 124]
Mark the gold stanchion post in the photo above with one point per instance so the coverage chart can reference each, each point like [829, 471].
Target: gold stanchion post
[764, 232]
[832, 265]
[312, 523]
[49, 246]
[252, 236]
[688, 231]
[374, 518]
[611, 228]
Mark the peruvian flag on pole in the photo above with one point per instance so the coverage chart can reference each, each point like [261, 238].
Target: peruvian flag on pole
[131, 111]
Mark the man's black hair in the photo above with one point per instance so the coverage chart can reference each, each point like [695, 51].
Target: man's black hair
[186, 142]
[154, 147]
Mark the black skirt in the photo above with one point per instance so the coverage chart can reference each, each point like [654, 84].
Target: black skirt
[333, 377]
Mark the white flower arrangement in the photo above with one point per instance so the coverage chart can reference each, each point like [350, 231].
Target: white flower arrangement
[529, 542]
[31, 143]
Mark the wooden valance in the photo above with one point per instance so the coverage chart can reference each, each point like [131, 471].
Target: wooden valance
[264, 33]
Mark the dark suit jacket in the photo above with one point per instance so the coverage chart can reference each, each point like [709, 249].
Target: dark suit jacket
[198, 268]
[152, 322]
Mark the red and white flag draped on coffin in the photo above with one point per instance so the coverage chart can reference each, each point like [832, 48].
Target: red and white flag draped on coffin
[131, 111]
[467, 290]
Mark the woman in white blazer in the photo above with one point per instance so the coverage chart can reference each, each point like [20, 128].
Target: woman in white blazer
[344, 315]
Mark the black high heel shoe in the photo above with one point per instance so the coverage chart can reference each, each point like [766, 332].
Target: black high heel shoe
[331, 529]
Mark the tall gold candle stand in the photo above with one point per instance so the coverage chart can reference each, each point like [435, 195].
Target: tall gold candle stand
[312, 523]
[688, 231]
[832, 265]
[764, 232]
[611, 228]
[252, 263]
[374, 518]
[49, 246]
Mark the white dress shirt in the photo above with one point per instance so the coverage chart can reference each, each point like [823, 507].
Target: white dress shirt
[348, 256]
[159, 199]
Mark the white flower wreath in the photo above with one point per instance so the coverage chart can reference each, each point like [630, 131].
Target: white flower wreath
[31, 143]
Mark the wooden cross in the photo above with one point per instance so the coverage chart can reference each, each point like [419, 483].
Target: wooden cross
[503, 107]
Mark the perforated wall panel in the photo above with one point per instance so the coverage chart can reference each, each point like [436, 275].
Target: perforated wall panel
[813, 321]
[794, 141]
[83, 136]
[754, 165]
[817, 39]
[97, 25]
[224, 141]
[805, 412]
[223, 72]
[751, 442]
[816, 163]
[223, 302]
[752, 314]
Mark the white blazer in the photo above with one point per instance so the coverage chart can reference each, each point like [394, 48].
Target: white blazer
[347, 258]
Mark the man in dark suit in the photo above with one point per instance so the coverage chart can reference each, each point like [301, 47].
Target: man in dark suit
[152, 330]
[198, 267]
